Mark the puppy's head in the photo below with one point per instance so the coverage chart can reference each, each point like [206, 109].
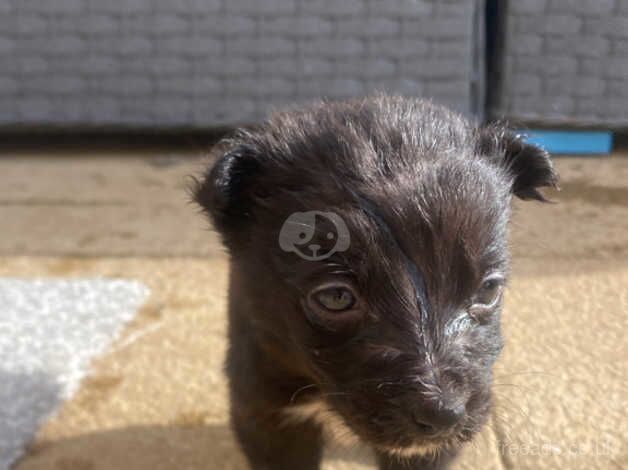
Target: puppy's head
[370, 236]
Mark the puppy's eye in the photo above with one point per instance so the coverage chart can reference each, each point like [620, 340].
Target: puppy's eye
[488, 293]
[487, 297]
[336, 299]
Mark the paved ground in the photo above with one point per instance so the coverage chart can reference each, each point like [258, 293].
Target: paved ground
[156, 400]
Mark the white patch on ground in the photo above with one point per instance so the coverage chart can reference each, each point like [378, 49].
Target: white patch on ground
[49, 331]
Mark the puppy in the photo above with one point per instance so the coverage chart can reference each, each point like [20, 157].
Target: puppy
[368, 251]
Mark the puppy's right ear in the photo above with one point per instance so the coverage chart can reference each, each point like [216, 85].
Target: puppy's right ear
[224, 192]
[529, 166]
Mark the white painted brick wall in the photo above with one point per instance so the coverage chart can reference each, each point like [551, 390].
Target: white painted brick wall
[565, 61]
[203, 63]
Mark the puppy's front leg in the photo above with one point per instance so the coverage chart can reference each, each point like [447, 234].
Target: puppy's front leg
[271, 444]
[392, 462]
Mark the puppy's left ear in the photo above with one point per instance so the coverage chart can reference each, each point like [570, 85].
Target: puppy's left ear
[529, 166]
[224, 192]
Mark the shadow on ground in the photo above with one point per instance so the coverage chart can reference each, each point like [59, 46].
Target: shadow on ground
[155, 447]
[26, 399]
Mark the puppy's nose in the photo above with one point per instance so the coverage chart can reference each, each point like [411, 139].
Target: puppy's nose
[314, 247]
[432, 418]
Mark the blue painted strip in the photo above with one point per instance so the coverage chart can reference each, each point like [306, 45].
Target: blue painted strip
[571, 142]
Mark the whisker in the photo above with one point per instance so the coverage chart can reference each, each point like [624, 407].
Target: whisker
[301, 389]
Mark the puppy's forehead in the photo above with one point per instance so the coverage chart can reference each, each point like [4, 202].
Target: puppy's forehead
[448, 220]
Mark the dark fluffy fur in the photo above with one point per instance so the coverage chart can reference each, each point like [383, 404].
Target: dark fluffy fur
[425, 196]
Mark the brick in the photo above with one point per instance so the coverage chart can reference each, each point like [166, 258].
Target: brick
[182, 85]
[428, 68]
[450, 49]
[280, 67]
[52, 7]
[400, 8]
[440, 29]
[188, 7]
[616, 26]
[7, 45]
[233, 110]
[588, 46]
[617, 88]
[588, 86]
[171, 109]
[547, 65]
[620, 47]
[399, 48]
[616, 108]
[261, 86]
[325, 7]
[542, 107]
[98, 24]
[119, 7]
[448, 10]
[189, 45]
[30, 65]
[451, 102]
[525, 84]
[575, 86]
[262, 47]
[63, 66]
[581, 7]
[591, 66]
[528, 6]
[602, 108]
[8, 86]
[69, 110]
[617, 68]
[522, 107]
[167, 65]
[63, 85]
[228, 67]
[121, 85]
[98, 65]
[102, 109]
[334, 88]
[440, 68]
[230, 25]
[455, 88]
[315, 67]
[368, 27]
[373, 68]
[525, 45]
[63, 45]
[133, 46]
[549, 24]
[35, 109]
[592, 108]
[29, 24]
[557, 106]
[332, 47]
[299, 26]
[163, 24]
[8, 111]
[404, 86]
[261, 7]
[203, 86]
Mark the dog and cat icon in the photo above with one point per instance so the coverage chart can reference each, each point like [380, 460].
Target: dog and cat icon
[314, 235]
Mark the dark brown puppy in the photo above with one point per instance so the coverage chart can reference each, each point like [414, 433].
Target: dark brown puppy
[368, 254]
